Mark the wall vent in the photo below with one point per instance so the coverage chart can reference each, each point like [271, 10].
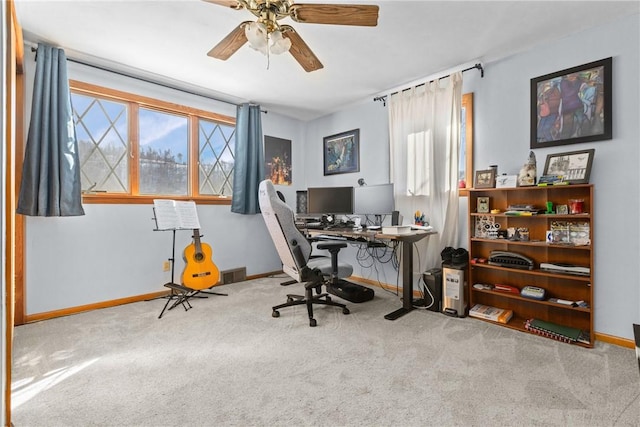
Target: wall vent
[234, 275]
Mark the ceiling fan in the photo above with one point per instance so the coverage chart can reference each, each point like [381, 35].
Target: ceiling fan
[268, 36]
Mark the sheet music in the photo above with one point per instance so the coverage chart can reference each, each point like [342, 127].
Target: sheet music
[172, 214]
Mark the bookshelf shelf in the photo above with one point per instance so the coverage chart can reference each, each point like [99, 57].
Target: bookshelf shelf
[533, 243]
[537, 272]
[517, 322]
[561, 249]
[507, 295]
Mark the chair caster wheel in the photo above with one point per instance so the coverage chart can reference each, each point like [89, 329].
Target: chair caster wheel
[275, 313]
[345, 311]
[312, 322]
[289, 299]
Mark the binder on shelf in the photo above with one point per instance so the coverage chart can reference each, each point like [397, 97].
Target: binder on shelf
[553, 330]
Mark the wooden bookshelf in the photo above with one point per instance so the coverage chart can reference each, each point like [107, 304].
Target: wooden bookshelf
[570, 243]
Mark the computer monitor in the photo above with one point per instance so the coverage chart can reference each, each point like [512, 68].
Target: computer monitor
[374, 200]
[330, 200]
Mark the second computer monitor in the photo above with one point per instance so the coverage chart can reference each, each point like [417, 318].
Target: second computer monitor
[374, 200]
[330, 200]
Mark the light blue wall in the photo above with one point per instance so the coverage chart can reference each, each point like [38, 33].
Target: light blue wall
[502, 137]
[112, 252]
[501, 132]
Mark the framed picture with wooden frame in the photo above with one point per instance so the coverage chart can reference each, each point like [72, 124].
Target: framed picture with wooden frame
[574, 166]
[485, 179]
[342, 152]
[572, 105]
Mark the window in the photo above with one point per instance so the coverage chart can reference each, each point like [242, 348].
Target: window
[133, 148]
[164, 153]
[465, 167]
[216, 148]
[102, 134]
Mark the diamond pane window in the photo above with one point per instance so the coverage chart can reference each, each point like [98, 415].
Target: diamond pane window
[164, 153]
[101, 131]
[135, 146]
[215, 151]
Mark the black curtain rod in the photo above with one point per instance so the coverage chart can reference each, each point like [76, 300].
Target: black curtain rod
[383, 98]
[33, 49]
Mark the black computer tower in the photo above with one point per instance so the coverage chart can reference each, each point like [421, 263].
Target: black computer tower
[433, 292]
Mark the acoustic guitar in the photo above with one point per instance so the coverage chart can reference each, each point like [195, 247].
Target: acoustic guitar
[199, 271]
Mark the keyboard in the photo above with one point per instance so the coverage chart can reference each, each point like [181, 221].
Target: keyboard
[329, 237]
[314, 226]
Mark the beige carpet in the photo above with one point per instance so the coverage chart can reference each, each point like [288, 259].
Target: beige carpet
[227, 362]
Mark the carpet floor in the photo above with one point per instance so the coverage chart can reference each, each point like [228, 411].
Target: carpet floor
[227, 362]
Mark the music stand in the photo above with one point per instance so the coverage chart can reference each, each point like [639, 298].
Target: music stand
[181, 293]
[178, 291]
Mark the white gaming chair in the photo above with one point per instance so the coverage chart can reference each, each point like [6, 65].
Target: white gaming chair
[295, 253]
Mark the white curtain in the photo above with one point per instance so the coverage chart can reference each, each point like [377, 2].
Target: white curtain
[424, 127]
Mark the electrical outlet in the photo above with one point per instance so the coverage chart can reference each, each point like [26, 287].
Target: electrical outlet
[166, 266]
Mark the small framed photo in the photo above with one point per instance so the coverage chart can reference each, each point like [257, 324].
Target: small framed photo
[485, 178]
[342, 152]
[573, 167]
[562, 209]
[483, 205]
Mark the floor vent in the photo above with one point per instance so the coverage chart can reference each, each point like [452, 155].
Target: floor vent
[234, 275]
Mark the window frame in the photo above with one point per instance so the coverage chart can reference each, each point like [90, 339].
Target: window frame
[134, 102]
[467, 105]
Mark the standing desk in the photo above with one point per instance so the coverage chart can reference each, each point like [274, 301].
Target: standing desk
[407, 240]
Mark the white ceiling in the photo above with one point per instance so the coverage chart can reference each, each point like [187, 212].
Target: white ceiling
[168, 40]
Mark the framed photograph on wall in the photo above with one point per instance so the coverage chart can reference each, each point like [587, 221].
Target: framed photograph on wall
[572, 105]
[342, 152]
[574, 167]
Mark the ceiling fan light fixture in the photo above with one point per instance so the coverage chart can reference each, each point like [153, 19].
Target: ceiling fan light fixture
[268, 37]
[256, 33]
[279, 43]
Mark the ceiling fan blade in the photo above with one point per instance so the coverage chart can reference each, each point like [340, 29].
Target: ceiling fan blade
[300, 51]
[337, 14]
[234, 4]
[230, 44]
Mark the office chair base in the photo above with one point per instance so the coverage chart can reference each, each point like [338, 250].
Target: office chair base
[309, 300]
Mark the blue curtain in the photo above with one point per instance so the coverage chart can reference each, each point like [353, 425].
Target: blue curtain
[249, 160]
[50, 183]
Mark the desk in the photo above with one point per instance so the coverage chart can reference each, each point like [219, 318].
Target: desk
[407, 241]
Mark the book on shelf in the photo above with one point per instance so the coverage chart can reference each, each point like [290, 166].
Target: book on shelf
[487, 312]
[175, 215]
[553, 330]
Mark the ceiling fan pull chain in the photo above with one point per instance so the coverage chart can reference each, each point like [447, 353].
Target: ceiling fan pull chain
[268, 52]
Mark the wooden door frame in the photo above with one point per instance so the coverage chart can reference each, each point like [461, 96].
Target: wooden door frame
[14, 239]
